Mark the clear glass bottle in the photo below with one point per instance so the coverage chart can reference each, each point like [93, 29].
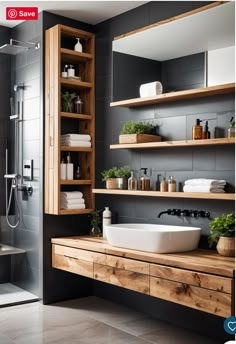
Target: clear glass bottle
[132, 182]
[163, 185]
[78, 105]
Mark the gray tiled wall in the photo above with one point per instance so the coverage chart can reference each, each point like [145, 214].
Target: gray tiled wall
[174, 121]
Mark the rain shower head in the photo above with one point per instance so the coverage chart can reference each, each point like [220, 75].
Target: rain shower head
[17, 47]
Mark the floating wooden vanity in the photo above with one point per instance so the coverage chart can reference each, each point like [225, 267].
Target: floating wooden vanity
[200, 279]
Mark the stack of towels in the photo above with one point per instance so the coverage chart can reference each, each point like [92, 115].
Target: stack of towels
[72, 200]
[76, 140]
[204, 185]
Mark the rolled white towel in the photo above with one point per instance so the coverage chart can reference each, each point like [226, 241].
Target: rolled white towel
[203, 188]
[73, 206]
[77, 137]
[71, 194]
[72, 201]
[71, 143]
[205, 182]
[150, 89]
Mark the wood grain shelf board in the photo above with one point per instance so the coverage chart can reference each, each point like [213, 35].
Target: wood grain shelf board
[76, 182]
[198, 195]
[75, 149]
[75, 115]
[70, 32]
[175, 96]
[75, 211]
[206, 261]
[168, 144]
[73, 83]
[72, 56]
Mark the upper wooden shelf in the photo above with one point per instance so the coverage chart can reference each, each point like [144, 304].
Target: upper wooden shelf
[71, 32]
[76, 182]
[165, 144]
[75, 115]
[73, 83]
[76, 149]
[175, 96]
[71, 56]
[201, 195]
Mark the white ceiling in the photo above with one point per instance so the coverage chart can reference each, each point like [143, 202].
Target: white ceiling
[91, 12]
[207, 30]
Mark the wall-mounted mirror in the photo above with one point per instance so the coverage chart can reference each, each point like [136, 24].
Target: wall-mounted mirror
[192, 50]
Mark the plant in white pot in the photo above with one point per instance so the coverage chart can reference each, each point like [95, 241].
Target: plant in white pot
[222, 234]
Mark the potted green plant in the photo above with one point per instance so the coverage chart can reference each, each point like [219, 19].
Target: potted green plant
[95, 220]
[138, 132]
[67, 101]
[122, 175]
[222, 234]
[109, 176]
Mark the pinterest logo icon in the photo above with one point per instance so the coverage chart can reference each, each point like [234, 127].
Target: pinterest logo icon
[12, 13]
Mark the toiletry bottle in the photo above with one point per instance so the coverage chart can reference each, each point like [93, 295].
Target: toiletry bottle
[63, 170]
[64, 74]
[171, 184]
[132, 182]
[71, 72]
[197, 130]
[163, 185]
[69, 168]
[77, 173]
[78, 105]
[231, 130]
[158, 184]
[78, 47]
[206, 133]
[144, 182]
[106, 219]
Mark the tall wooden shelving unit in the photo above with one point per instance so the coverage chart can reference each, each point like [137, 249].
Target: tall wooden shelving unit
[60, 41]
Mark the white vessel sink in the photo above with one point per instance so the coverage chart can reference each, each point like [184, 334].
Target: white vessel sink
[153, 238]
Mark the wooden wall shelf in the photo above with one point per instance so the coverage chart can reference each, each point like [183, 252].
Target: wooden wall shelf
[197, 195]
[176, 96]
[168, 144]
[58, 39]
[75, 115]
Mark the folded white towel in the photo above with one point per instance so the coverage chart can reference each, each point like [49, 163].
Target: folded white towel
[204, 181]
[71, 194]
[73, 206]
[203, 188]
[75, 143]
[150, 89]
[77, 137]
[72, 201]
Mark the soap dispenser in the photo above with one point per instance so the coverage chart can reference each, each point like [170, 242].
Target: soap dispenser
[144, 181]
[197, 130]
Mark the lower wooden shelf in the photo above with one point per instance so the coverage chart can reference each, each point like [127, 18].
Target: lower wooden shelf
[76, 182]
[201, 195]
[75, 211]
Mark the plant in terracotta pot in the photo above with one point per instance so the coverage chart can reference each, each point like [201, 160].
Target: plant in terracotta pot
[109, 176]
[222, 234]
[122, 175]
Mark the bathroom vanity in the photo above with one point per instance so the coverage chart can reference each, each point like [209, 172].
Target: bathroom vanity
[200, 279]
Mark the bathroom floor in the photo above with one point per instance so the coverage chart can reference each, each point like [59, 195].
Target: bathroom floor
[11, 294]
[89, 320]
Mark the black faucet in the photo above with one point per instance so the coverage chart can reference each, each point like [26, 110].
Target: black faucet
[168, 211]
[185, 212]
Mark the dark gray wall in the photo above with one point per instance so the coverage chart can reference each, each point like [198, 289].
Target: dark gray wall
[175, 121]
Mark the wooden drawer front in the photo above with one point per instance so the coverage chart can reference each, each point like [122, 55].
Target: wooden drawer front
[217, 283]
[76, 266]
[122, 278]
[127, 264]
[202, 299]
[88, 256]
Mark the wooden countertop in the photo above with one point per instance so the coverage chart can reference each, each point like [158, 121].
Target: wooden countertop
[199, 260]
